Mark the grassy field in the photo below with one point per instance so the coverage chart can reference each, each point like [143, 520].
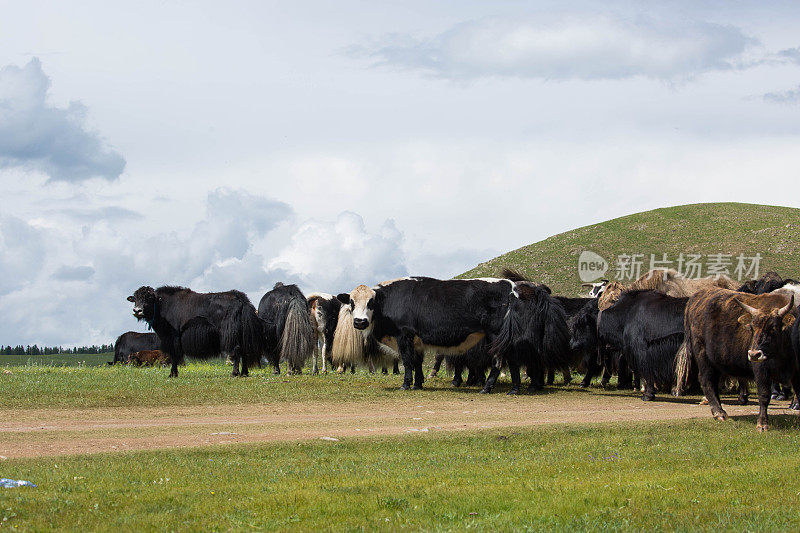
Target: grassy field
[197, 384]
[56, 360]
[694, 475]
[726, 228]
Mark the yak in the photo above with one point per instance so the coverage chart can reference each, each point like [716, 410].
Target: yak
[202, 324]
[290, 334]
[742, 335]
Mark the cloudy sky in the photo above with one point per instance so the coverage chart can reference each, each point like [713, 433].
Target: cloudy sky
[233, 144]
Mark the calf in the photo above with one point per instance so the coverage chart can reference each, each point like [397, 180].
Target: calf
[149, 358]
[742, 335]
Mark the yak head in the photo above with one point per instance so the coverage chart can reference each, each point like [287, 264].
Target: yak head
[767, 326]
[144, 303]
[362, 303]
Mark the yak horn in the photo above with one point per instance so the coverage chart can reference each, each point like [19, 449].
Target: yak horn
[783, 310]
[752, 310]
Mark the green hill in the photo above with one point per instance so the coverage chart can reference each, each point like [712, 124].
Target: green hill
[705, 229]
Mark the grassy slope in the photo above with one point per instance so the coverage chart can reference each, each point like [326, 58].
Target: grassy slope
[698, 228]
[695, 475]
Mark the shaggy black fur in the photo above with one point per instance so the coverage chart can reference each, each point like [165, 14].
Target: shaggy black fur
[202, 324]
[289, 331]
[647, 326]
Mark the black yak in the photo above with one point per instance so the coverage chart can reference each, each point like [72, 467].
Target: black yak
[131, 342]
[202, 324]
[289, 330]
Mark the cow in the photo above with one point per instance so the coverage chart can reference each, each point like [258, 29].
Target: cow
[417, 314]
[290, 334]
[202, 324]
[742, 335]
[148, 358]
[668, 281]
[132, 341]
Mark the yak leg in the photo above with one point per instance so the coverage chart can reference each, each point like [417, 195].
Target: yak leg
[396, 368]
[237, 354]
[779, 392]
[352, 369]
[592, 369]
[763, 388]
[537, 379]
[744, 392]
[567, 375]
[709, 382]
[437, 364]
[513, 369]
[419, 376]
[322, 354]
[458, 370]
[405, 342]
[494, 373]
[314, 355]
[371, 366]
[649, 391]
[384, 371]
[624, 376]
[551, 376]
[795, 405]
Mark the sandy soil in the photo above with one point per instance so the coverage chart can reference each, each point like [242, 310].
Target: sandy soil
[47, 432]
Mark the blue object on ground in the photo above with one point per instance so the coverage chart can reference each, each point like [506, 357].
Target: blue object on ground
[14, 483]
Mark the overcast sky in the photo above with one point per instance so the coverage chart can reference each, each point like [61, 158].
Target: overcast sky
[223, 145]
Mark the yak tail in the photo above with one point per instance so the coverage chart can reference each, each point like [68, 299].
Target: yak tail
[534, 331]
[298, 337]
[683, 365]
[253, 336]
[513, 275]
[348, 343]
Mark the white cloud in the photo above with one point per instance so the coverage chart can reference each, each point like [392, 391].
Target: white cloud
[22, 250]
[38, 136]
[339, 255]
[567, 46]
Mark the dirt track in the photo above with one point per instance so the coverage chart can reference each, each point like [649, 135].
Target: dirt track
[42, 432]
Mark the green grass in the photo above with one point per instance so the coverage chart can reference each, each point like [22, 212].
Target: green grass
[691, 475]
[56, 360]
[34, 387]
[728, 228]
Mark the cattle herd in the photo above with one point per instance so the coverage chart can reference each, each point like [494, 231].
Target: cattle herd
[663, 333]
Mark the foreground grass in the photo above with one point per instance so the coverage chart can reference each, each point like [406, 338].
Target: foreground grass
[726, 228]
[691, 475]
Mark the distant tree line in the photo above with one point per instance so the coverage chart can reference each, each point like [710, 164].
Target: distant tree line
[54, 350]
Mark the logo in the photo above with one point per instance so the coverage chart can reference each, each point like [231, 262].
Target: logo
[591, 266]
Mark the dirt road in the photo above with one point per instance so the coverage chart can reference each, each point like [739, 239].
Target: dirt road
[44, 432]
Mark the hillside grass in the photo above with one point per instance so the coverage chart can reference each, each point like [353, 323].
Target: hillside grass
[726, 228]
[695, 475]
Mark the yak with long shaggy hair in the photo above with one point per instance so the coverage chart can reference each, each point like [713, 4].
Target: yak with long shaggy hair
[202, 324]
[647, 328]
[290, 330]
[533, 335]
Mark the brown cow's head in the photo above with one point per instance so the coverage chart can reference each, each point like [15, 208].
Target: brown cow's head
[144, 303]
[767, 327]
[362, 303]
